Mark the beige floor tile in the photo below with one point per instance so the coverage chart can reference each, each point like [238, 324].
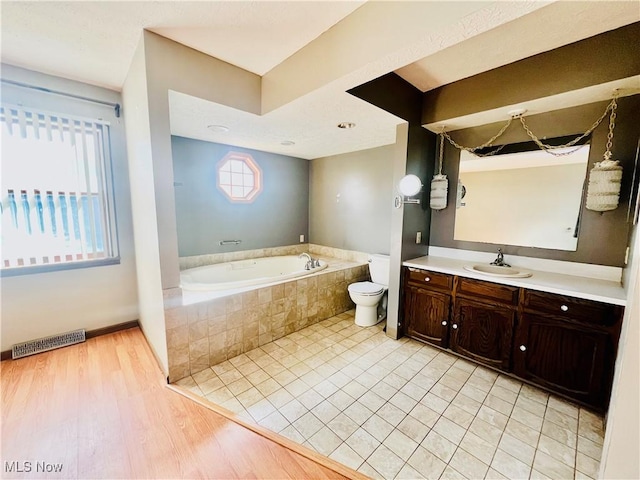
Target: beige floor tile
[403, 402]
[449, 430]
[308, 424]
[341, 400]
[551, 467]
[261, 409]
[384, 390]
[325, 441]
[559, 418]
[239, 386]
[478, 447]
[468, 465]
[487, 432]
[527, 418]
[494, 475]
[452, 381]
[347, 456]
[563, 406]
[362, 442]
[370, 472]
[355, 389]
[557, 450]
[293, 410]
[275, 422]
[358, 412]
[517, 448]
[386, 462]
[439, 446]
[434, 403]
[325, 411]
[522, 432]
[504, 394]
[589, 448]
[474, 392]
[372, 400]
[534, 393]
[426, 464]
[378, 427]
[458, 415]
[468, 404]
[408, 473]
[509, 466]
[498, 404]
[413, 428]
[587, 465]
[414, 391]
[219, 396]
[443, 391]
[211, 385]
[391, 414]
[532, 406]
[343, 426]
[560, 434]
[451, 474]
[400, 444]
[493, 417]
[508, 383]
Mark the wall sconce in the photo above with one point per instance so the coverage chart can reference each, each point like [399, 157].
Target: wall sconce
[408, 186]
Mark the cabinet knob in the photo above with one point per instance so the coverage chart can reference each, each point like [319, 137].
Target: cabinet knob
[427, 279]
[523, 348]
[564, 308]
[444, 323]
[454, 326]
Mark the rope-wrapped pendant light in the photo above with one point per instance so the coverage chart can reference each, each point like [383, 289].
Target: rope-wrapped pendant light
[439, 184]
[603, 191]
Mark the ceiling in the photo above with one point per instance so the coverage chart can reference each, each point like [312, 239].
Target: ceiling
[347, 42]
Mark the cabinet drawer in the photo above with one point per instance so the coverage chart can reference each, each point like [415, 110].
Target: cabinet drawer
[570, 308]
[478, 289]
[425, 278]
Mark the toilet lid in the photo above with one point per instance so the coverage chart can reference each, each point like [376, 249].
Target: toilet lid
[366, 288]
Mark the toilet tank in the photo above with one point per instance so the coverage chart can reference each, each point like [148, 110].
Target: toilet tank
[379, 269]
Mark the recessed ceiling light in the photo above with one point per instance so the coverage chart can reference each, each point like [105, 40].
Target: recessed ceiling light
[218, 128]
[346, 125]
[287, 143]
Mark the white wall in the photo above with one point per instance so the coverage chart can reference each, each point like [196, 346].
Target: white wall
[149, 285]
[38, 305]
[620, 459]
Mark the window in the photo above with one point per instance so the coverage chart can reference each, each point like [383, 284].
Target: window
[56, 205]
[239, 177]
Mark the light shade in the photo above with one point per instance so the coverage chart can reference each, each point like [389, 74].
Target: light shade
[603, 190]
[409, 185]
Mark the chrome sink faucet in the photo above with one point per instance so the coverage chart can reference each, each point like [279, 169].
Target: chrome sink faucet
[499, 262]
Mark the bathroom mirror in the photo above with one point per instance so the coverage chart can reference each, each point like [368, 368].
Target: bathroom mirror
[529, 198]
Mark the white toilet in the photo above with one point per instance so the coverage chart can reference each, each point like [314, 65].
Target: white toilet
[371, 297]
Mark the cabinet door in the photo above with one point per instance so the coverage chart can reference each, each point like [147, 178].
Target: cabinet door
[483, 332]
[563, 356]
[426, 315]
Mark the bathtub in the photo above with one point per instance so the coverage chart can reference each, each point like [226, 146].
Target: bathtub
[244, 273]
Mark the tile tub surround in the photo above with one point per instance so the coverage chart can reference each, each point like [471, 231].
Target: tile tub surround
[214, 258]
[402, 409]
[206, 333]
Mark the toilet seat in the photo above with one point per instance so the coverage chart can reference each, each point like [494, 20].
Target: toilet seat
[366, 288]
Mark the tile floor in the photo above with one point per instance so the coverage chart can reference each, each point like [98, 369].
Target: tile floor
[402, 409]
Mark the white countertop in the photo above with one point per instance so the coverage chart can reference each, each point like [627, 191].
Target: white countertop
[574, 286]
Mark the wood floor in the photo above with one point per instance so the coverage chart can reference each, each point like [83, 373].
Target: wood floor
[101, 409]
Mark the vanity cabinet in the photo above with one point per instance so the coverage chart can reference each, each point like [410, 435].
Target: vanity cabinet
[564, 344]
[427, 304]
[567, 345]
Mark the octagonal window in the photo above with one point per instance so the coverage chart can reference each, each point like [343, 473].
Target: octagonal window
[239, 177]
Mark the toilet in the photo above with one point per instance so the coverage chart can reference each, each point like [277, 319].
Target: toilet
[371, 297]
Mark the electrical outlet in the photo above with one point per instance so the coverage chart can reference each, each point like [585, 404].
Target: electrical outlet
[301, 238]
[418, 237]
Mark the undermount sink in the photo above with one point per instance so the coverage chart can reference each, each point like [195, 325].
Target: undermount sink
[496, 271]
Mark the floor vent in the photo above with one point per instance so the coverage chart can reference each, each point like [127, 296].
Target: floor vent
[49, 343]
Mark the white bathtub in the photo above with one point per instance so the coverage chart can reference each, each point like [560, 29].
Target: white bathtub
[244, 273]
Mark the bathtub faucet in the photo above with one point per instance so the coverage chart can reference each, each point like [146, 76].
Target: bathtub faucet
[310, 262]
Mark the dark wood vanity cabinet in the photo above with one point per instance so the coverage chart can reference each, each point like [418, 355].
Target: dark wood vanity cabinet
[484, 316]
[483, 332]
[564, 344]
[568, 345]
[427, 304]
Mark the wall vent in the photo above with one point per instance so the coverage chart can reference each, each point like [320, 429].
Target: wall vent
[45, 344]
